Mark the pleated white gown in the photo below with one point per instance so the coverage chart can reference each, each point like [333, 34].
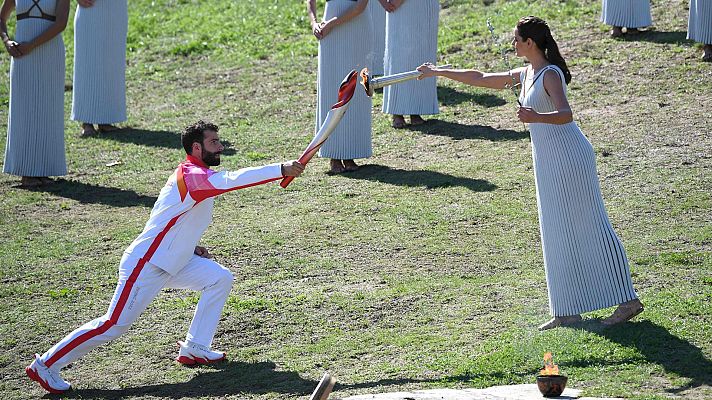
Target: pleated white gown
[99, 95]
[627, 13]
[345, 48]
[699, 25]
[378, 21]
[35, 129]
[411, 39]
[585, 263]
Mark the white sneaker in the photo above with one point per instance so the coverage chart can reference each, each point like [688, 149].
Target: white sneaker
[48, 378]
[192, 353]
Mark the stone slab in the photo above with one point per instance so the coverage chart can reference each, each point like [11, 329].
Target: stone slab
[509, 392]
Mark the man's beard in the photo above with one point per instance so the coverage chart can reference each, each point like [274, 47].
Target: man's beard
[211, 159]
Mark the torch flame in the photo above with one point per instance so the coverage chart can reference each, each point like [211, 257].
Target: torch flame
[366, 81]
[549, 367]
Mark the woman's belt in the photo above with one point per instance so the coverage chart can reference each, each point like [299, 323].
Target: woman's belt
[27, 15]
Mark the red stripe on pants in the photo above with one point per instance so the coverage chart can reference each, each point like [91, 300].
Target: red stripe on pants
[123, 297]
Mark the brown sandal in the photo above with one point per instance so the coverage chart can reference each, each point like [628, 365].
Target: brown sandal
[625, 312]
[350, 166]
[88, 131]
[336, 166]
[416, 120]
[398, 122]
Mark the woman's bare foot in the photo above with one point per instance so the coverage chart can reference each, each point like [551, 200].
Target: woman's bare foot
[350, 166]
[88, 130]
[560, 321]
[336, 166]
[624, 312]
[416, 120]
[398, 121]
[31, 181]
[707, 55]
[108, 128]
[616, 32]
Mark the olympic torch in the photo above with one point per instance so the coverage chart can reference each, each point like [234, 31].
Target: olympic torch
[371, 84]
[346, 92]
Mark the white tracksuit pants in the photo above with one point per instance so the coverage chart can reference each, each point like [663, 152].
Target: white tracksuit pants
[139, 283]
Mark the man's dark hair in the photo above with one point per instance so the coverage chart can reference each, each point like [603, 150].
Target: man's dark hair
[195, 134]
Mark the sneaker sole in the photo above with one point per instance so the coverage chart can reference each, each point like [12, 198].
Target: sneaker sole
[185, 360]
[35, 377]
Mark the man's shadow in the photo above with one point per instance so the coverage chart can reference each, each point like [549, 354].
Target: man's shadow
[459, 131]
[94, 194]
[229, 378]
[418, 178]
[659, 346]
[235, 378]
[145, 137]
[226, 378]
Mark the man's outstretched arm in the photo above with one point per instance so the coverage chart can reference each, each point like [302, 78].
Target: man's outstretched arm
[226, 181]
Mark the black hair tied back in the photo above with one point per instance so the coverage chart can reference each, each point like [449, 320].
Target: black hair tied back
[538, 30]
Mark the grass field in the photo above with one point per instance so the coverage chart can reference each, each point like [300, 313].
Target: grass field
[423, 269]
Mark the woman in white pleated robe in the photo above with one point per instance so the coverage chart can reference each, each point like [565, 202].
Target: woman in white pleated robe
[699, 26]
[584, 260]
[99, 93]
[629, 14]
[345, 44]
[35, 129]
[411, 39]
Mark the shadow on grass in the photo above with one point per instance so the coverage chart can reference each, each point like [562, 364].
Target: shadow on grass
[459, 131]
[449, 96]
[678, 37]
[659, 346]
[228, 378]
[418, 178]
[145, 137]
[236, 378]
[93, 194]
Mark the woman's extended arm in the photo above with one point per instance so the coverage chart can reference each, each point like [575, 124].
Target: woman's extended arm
[498, 80]
[62, 11]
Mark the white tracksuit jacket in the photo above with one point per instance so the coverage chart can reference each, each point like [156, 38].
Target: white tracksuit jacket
[184, 210]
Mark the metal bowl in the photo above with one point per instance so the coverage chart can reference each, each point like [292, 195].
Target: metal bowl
[551, 385]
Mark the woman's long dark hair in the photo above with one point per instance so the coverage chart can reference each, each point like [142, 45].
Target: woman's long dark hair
[538, 30]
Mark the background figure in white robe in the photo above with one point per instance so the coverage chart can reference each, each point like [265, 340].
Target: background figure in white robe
[629, 14]
[699, 26]
[35, 128]
[344, 36]
[99, 94]
[411, 39]
[378, 9]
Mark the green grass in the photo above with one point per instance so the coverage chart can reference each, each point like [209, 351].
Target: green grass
[423, 269]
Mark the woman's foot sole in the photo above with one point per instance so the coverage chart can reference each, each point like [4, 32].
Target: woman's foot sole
[560, 321]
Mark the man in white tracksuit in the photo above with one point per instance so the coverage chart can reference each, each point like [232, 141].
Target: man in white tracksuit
[166, 254]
